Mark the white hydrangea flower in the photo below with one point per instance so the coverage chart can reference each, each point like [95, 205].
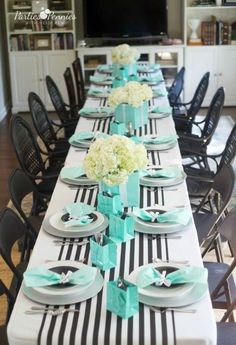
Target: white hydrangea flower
[124, 54]
[112, 159]
[133, 93]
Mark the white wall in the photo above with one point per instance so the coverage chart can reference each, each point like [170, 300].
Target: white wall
[4, 80]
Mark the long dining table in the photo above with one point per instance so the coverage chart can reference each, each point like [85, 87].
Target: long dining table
[94, 324]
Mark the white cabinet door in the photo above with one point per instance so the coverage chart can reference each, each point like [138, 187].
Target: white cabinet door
[199, 60]
[54, 64]
[227, 72]
[26, 75]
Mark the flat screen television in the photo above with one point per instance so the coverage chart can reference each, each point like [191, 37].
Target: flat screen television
[125, 18]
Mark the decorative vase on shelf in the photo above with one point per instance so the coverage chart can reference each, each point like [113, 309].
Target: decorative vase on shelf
[194, 24]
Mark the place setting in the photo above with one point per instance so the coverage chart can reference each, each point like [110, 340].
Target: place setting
[148, 68]
[76, 220]
[96, 112]
[160, 112]
[98, 92]
[101, 79]
[150, 80]
[61, 283]
[106, 69]
[75, 176]
[159, 220]
[161, 176]
[159, 143]
[164, 286]
[85, 139]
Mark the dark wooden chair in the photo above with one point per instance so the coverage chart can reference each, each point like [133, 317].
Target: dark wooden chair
[79, 80]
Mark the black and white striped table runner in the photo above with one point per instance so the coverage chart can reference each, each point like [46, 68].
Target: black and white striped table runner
[94, 325]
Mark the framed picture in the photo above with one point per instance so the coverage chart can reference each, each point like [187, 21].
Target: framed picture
[42, 42]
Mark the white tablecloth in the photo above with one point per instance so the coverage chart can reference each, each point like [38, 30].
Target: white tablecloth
[94, 325]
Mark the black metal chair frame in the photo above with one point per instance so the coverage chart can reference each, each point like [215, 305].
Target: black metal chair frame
[74, 105]
[57, 147]
[79, 80]
[176, 88]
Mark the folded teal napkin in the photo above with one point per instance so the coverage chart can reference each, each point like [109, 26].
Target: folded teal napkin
[104, 68]
[90, 110]
[169, 172]
[40, 276]
[100, 78]
[162, 109]
[78, 214]
[176, 216]
[80, 136]
[150, 79]
[97, 91]
[159, 93]
[71, 172]
[150, 275]
[165, 139]
[147, 68]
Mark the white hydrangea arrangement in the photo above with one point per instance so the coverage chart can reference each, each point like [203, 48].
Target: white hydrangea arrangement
[112, 159]
[123, 54]
[133, 93]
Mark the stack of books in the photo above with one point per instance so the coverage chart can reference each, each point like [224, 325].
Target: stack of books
[216, 33]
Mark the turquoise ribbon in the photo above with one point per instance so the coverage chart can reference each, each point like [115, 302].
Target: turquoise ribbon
[169, 172]
[78, 214]
[40, 276]
[165, 139]
[71, 173]
[150, 275]
[90, 110]
[162, 109]
[176, 216]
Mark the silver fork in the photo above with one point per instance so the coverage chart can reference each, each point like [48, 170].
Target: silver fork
[179, 310]
[169, 237]
[51, 260]
[67, 243]
[183, 262]
[81, 186]
[53, 312]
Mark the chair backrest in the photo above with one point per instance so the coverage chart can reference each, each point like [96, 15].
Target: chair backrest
[79, 79]
[57, 100]
[213, 115]
[198, 97]
[41, 120]
[19, 185]
[11, 230]
[229, 152]
[224, 185]
[26, 146]
[70, 89]
[176, 87]
[10, 298]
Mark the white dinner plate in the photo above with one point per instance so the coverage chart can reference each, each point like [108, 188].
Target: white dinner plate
[160, 147]
[82, 143]
[157, 228]
[79, 180]
[67, 294]
[160, 115]
[165, 294]
[56, 222]
[196, 294]
[97, 115]
[75, 231]
[149, 181]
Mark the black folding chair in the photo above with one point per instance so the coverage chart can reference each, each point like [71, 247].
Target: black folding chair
[10, 303]
[220, 279]
[212, 208]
